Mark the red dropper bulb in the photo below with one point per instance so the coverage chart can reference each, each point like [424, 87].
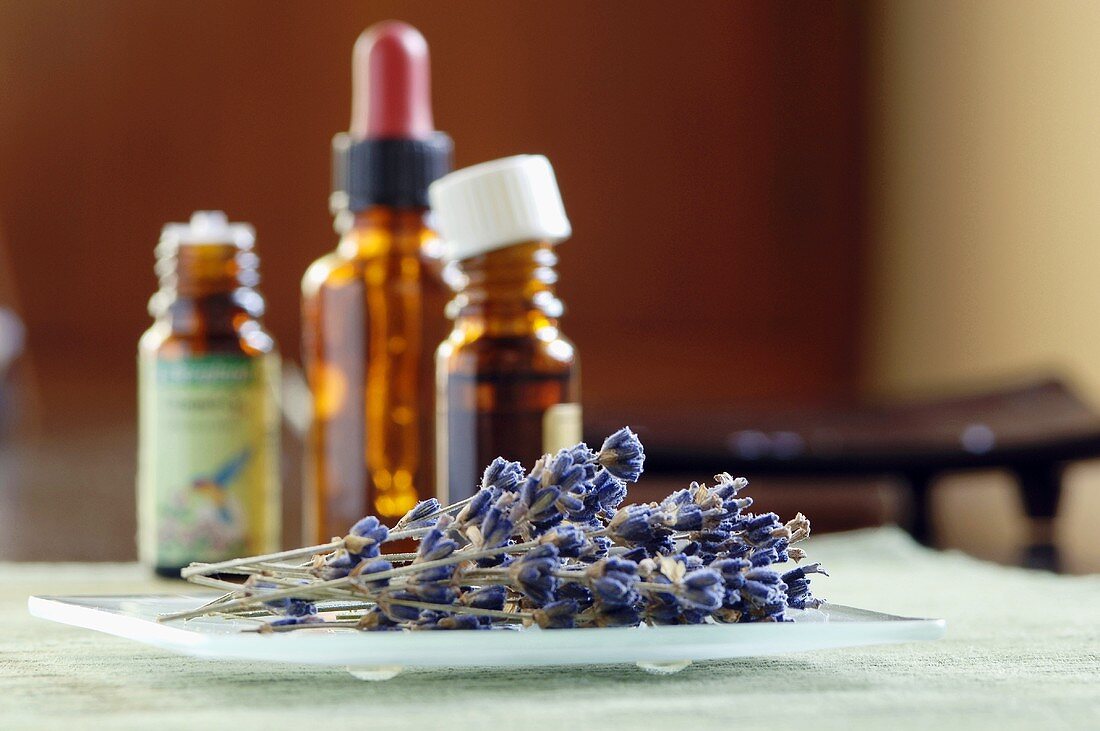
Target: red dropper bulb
[391, 84]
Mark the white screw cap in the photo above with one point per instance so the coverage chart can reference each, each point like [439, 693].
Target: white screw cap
[209, 227]
[496, 204]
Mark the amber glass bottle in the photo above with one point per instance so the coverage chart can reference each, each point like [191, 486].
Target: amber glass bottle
[368, 367]
[507, 380]
[365, 306]
[208, 482]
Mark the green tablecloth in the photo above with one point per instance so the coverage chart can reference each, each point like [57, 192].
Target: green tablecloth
[1022, 651]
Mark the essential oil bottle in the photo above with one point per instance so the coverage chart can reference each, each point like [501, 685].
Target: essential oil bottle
[208, 371]
[507, 380]
[370, 309]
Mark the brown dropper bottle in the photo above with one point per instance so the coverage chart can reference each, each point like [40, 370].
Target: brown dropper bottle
[507, 380]
[372, 310]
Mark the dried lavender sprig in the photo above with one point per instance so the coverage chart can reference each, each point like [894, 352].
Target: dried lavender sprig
[310, 590]
[197, 569]
[710, 519]
[461, 609]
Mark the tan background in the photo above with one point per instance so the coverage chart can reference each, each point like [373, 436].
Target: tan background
[985, 218]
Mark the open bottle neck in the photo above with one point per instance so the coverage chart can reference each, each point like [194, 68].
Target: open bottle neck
[509, 291]
[207, 288]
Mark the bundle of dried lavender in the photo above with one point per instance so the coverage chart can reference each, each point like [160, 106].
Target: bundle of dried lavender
[550, 547]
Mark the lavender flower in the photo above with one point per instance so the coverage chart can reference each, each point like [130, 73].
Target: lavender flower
[798, 586]
[335, 565]
[486, 597]
[502, 476]
[534, 571]
[292, 621]
[435, 546]
[640, 525]
[609, 491]
[612, 582]
[366, 537]
[399, 612]
[536, 548]
[423, 514]
[557, 615]
[431, 619]
[365, 569]
[571, 540]
[609, 615]
[622, 455]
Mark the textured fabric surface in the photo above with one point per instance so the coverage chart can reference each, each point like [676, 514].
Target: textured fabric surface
[1022, 651]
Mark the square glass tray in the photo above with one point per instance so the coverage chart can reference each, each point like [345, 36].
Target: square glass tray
[379, 655]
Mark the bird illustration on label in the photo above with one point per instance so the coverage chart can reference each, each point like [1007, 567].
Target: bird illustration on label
[216, 485]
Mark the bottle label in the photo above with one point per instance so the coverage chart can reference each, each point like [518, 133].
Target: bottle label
[208, 475]
[561, 427]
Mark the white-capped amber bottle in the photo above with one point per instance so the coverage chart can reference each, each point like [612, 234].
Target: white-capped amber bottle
[508, 381]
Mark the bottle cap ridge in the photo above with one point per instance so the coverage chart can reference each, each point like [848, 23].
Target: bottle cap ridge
[209, 227]
[496, 204]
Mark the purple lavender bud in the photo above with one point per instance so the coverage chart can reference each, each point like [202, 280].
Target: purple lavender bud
[563, 473]
[366, 537]
[612, 590]
[557, 615]
[764, 557]
[370, 527]
[571, 503]
[300, 608]
[336, 565]
[617, 615]
[757, 590]
[295, 620]
[422, 515]
[376, 620]
[570, 540]
[502, 476]
[609, 490]
[576, 592]
[433, 546]
[458, 621]
[662, 608]
[703, 590]
[374, 567]
[534, 572]
[764, 576]
[433, 593]
[400, 612]
[622, 455]
[639, 525]
[540, 501]
[496, 529]
[475, 509]
[727, 486]
[436, 573]
[486, 597]
[801, 572]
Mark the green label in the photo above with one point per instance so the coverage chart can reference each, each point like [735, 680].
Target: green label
[208, 482]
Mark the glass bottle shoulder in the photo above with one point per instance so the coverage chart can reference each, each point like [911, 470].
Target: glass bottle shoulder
[246, 337]
[545, 349]
[334, 270]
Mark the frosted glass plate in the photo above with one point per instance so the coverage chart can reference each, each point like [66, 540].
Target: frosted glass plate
[379, 655]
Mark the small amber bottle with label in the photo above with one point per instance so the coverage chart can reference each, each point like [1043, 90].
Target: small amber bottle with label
[208, 474]
[508, 381]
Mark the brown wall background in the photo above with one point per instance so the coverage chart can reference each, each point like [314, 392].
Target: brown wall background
[709, 156]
